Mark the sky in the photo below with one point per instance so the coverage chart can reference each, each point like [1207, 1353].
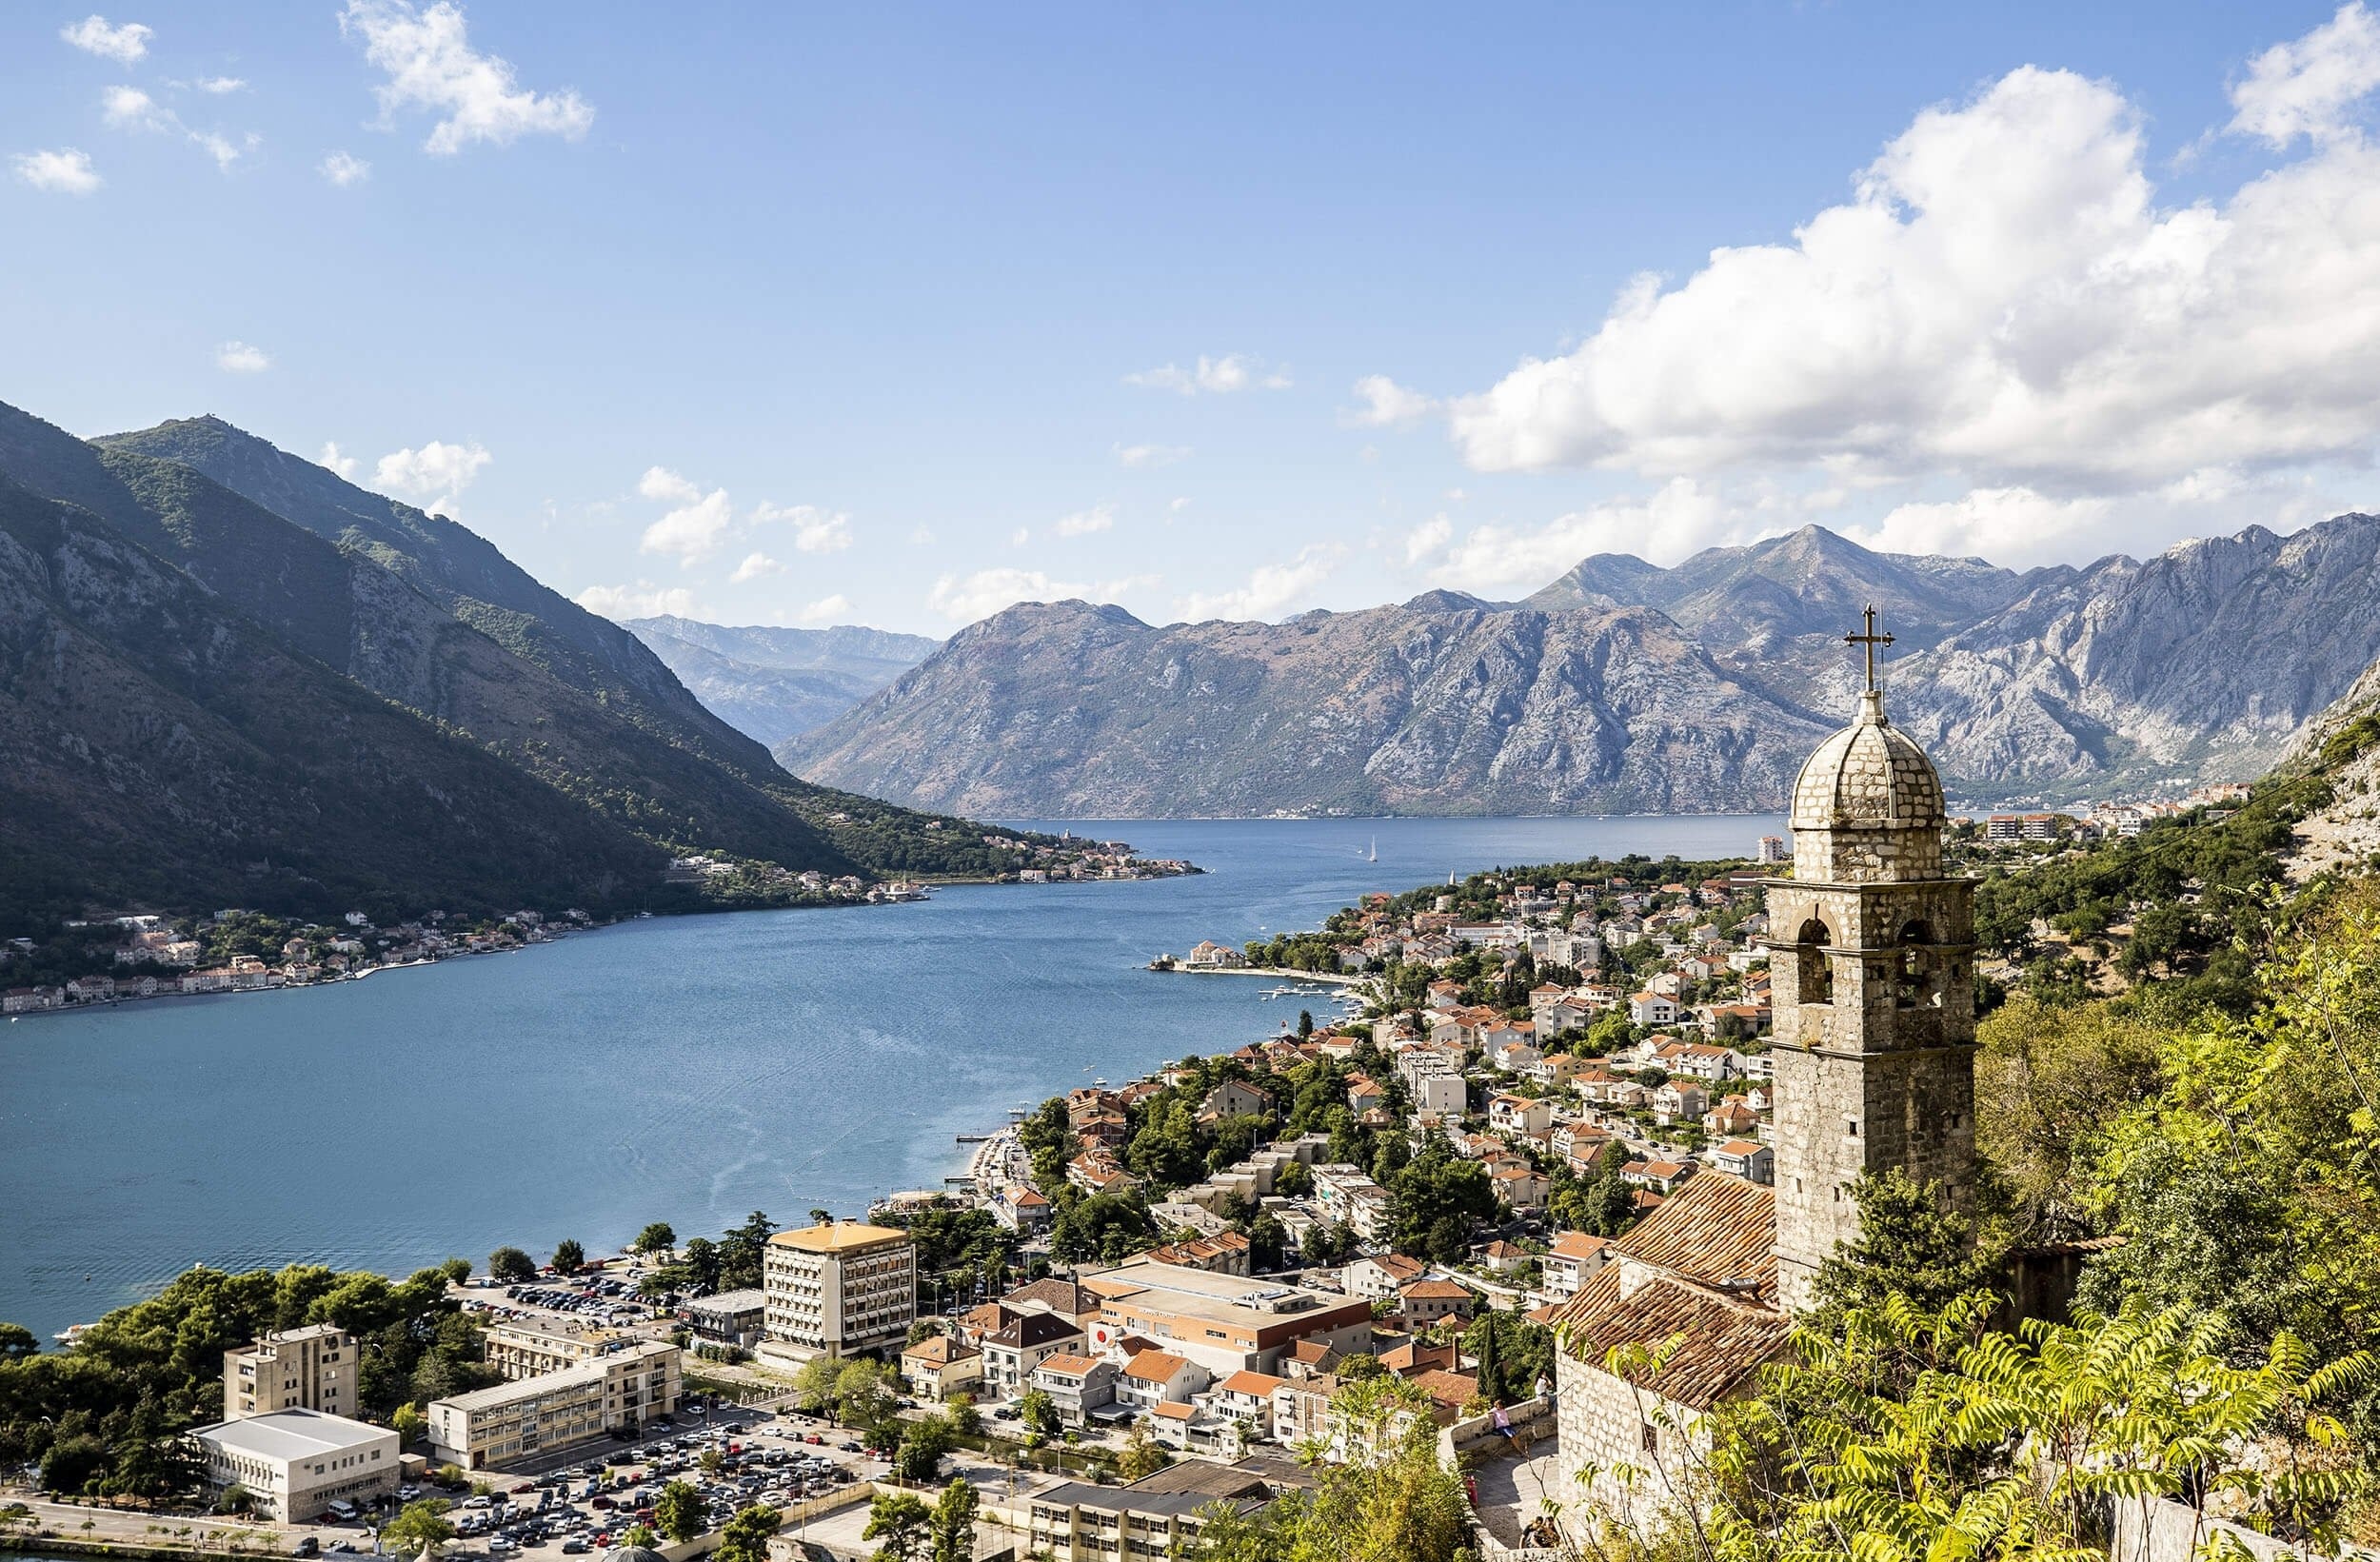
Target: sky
[895, 315]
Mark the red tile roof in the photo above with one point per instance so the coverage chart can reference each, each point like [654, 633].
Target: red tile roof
[1706, 1343]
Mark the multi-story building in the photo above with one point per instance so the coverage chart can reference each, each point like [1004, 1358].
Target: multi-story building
[1225, 1323]
[295, 1463]
[1154, 1518]
[297, 1369]
[531, 1346]
[490, 1428]
[837, 1290]
[731, 1317]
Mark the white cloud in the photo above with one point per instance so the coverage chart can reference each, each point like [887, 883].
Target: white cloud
[1271, 588]
[1217, 376]
[337, 459]
[1498, 560]
[1179, 505]
[431, 67]
[824, 610]
[64, 171]
[755, 565]
[814, 530]
[1151, 455]
[642, 601]
[345, 168]
[661, 484]
[433, 475]
[1084, 523]
[218, 85]
[123, 44]
[2306, 87]
[2013, 527]
[1386, 402]
[1428, 538]
[239, 358]
[922, 537]
[964, 599]
[129, 109]
[1021, 535]
[2002, 306]
[693, 531]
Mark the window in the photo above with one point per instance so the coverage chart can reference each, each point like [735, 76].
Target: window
[1652, 1437]
[1814, 977]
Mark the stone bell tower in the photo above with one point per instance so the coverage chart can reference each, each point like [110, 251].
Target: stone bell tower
[1872, 975]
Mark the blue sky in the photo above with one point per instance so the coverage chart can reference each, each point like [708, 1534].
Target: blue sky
[892, 315]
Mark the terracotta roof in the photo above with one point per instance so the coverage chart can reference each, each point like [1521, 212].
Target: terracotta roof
[1397, 1266]
[940, 1350]
[1155, 1366]
[1448, 1388]
[1259, 1384]
[1068, 1365]
[1056, 1294]
[1712, 1341]
[1435, 1291]
[1578, 1244]
[1717, 1229]
[1173, 1412]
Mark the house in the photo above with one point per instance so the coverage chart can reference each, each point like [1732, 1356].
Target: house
[1444, 1092]
[1226, 1253]
[1151, 1378]
[938, 1366]
[1023, 1210]
[1077, 1385]
[1519, 1186]
[1700, 1060]
[1661, 1177]
[1746, 1158]
[1732, 1118]
[1233, 1098]
[1649, 1008]
[1561, 1070]
[1519, 1115]
[1247, 1398]
[1678, 1101]
[1514, 1056]
[1421, 1304]
[1379, 1277]
[1502, 1257]
[1568, 1264]
[1012, 1354]
[1364, 1093]
[1206, 954]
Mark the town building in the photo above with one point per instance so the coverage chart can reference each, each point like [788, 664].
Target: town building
[313, 1369]
[1150, 1520]
[940, 1365]
[490, 1429]
[294, 1463]
[731, 1317]
[533, 1346]
[837, 1290]
[1222, 1322]
[1012, 1351]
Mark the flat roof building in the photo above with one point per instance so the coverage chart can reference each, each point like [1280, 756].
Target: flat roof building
[1227, 1323]
[531, 1346]
[296, 1368]
[488, 1429]
[837, 1290]
[731, 1317]
[295, 1463]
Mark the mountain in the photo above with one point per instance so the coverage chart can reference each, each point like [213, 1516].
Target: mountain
[1625, 685]
[772, 683]
[1086, 711]
[160, 747]
[431, 623]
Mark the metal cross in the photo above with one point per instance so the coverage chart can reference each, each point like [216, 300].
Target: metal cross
[1869, 641]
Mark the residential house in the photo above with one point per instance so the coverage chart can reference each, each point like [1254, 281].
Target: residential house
[1746, 1158]
[1378, 1277]
[1519, 1115]
[1078, 1386]
[1151, 1378]
[1570, 1261]
[1423, 1302]
[938, 1366]
[1011, 1354]
[1650, 1008]
[1247, 1398]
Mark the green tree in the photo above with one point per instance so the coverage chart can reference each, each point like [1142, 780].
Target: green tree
[703, 1265]
[510, 1266]
[1910, 1243]
[456, 1270]
[638, 1534]
[1143, 1454]
[813, 1383]
[1038, 1415]
[740, 1251]
[680, 1511]
[745, 1538]
[418, 1526]
[952, 1527]
[863, 1391]
[568, 1256]
[903, 1524]
[408, 1422]
[656, 1238]
[923, 1443]
[966, 1415]
[152, 1462]
[17, 1343]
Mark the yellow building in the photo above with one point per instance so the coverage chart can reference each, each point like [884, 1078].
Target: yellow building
[297, 1369]
[489, 1429]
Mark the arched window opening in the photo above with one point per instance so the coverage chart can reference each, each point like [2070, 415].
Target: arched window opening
[1815, 975]
[1917, 980]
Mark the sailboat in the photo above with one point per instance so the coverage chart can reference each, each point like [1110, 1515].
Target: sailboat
[1375, 850]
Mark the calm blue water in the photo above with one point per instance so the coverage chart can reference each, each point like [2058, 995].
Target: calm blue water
[688, 1069]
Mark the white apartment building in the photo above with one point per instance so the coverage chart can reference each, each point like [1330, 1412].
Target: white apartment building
[297, 1369]
[837, 1290]
[488, 1429]
[295, 1463]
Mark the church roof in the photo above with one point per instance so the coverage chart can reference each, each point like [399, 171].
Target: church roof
[1870, 775]
[1717, 1230]
[1706, 1343]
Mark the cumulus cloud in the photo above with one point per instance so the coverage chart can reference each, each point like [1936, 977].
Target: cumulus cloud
[1385, 404]
[755, 565]
[337, 459]
[124, 44]
[2002, 305]
[642, 601]
[1216, 376]
[431, 67]
[814, 530]
[2309, 85]
[965, 598]
[1503, 560]
[345, 168]
[63, 171]
[824, 610]
[218, 85]
[1084, 523]
[694, 529]
[1428, 538]
[239, 358]
[433, 475]
[1151, 455]
[1271, 588]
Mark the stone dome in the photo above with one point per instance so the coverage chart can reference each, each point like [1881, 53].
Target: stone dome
[1870, 776]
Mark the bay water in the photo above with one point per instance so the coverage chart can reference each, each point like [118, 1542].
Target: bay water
[686, 1069]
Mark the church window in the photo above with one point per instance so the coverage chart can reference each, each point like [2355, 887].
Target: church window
[1918, 983]
[1815, 978]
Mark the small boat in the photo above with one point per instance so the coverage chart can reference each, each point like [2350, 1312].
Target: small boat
[1375, 850]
